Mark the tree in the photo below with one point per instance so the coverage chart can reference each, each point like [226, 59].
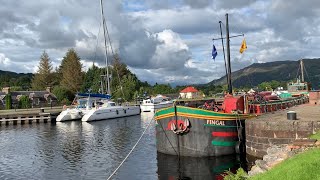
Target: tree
[265, 86]
[8, 101]
[24, 102]
[92, 80]
[62, 94]
[43, 78]
[71, 70]
[162, 89]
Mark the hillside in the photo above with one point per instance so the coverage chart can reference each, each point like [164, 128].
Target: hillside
[8, 78]
[279, 71]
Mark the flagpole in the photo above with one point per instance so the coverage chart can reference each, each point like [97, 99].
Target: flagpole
[224, 56]
[228, 56]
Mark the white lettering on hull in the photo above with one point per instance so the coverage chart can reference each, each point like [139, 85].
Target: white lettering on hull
[216, 122]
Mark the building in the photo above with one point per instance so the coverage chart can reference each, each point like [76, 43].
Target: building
[190, 93]
[37, 98]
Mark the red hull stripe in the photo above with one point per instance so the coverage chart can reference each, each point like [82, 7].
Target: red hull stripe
[224, 134]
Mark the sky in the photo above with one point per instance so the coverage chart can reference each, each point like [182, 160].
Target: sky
[161, 41]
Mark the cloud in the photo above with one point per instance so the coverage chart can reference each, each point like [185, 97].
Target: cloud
[161, 41]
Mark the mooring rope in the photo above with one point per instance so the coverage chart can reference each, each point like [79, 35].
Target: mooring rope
[168, 138]
[131, 150]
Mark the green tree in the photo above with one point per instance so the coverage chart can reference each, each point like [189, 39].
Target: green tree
[265, 86]
[127, 90]
[8, 101]
[92, 79]
[162, 89]
[43, 78]
[71, 70]
[118, 71]
[274, 84]
[62, 94]
[24, 102]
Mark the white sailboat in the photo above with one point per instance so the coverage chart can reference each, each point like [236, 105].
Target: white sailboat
[109, 109]
[84, 102]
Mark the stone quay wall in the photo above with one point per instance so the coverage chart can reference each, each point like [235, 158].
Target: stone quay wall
[274, 129]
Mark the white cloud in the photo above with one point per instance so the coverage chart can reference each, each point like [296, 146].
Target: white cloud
[163, 41]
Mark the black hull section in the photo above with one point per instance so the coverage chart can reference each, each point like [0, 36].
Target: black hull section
[204, 138]
[173, 167]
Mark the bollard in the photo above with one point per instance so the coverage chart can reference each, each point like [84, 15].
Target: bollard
[291, 115]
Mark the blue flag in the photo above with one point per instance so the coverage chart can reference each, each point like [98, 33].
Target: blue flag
[214, 52]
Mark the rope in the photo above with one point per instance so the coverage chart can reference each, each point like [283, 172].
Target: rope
[131, 150]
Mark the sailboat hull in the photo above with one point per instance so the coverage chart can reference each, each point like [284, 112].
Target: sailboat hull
[110, 113]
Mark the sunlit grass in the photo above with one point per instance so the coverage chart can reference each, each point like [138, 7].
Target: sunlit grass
[302, 166]
[315, 136]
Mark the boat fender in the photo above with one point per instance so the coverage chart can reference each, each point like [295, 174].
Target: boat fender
[173, 127]
[239, 147]
[125, 111]
[186, 124]
[117, 111]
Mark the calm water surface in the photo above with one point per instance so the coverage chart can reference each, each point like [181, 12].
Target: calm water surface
[80, 150]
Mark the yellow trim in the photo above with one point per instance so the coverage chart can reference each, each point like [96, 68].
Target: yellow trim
[203, 117]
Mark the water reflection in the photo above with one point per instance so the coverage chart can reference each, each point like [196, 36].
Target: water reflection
[82, 150]
[169, 167]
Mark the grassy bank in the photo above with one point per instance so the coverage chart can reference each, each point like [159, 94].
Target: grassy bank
[302, 166]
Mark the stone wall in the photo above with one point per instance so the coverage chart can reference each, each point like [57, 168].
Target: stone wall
[261, 134]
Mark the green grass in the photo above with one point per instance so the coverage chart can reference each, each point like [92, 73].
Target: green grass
[300, 167]
[315, 136]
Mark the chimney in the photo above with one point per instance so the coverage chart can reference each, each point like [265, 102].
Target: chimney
[6, 90]
[48, 89]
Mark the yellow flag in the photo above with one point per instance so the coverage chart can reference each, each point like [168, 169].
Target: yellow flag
[243, 46]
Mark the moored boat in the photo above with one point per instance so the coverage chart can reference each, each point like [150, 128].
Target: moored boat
[158, 102]
[110, 110]
[199, 132]
[83, 103]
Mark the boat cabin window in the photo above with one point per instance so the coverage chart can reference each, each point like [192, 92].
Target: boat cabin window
[112, 104]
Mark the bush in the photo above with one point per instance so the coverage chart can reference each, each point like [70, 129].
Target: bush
[8, 101]
[63, 95]
[240, 175]
[24, 102]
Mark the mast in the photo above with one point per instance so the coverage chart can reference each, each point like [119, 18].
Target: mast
[105, 46]
[224, 56]
[302, 68]
[228, 56]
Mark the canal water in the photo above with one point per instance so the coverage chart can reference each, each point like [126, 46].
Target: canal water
[81, 150]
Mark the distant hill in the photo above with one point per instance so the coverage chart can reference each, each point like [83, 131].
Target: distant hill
[279, 71]
[8, 78]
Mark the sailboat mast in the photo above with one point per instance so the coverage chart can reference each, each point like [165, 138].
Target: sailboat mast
[302, 69]
[105, 46]
[228, 56]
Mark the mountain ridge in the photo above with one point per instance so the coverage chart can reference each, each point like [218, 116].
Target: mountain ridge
[278, 70]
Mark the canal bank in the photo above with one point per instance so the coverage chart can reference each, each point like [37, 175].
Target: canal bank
[28, 116]
[274, 128]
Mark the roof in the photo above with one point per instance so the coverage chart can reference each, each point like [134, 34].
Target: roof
[189, 89]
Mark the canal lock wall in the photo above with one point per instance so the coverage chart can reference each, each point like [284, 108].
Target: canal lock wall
[264, 133]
